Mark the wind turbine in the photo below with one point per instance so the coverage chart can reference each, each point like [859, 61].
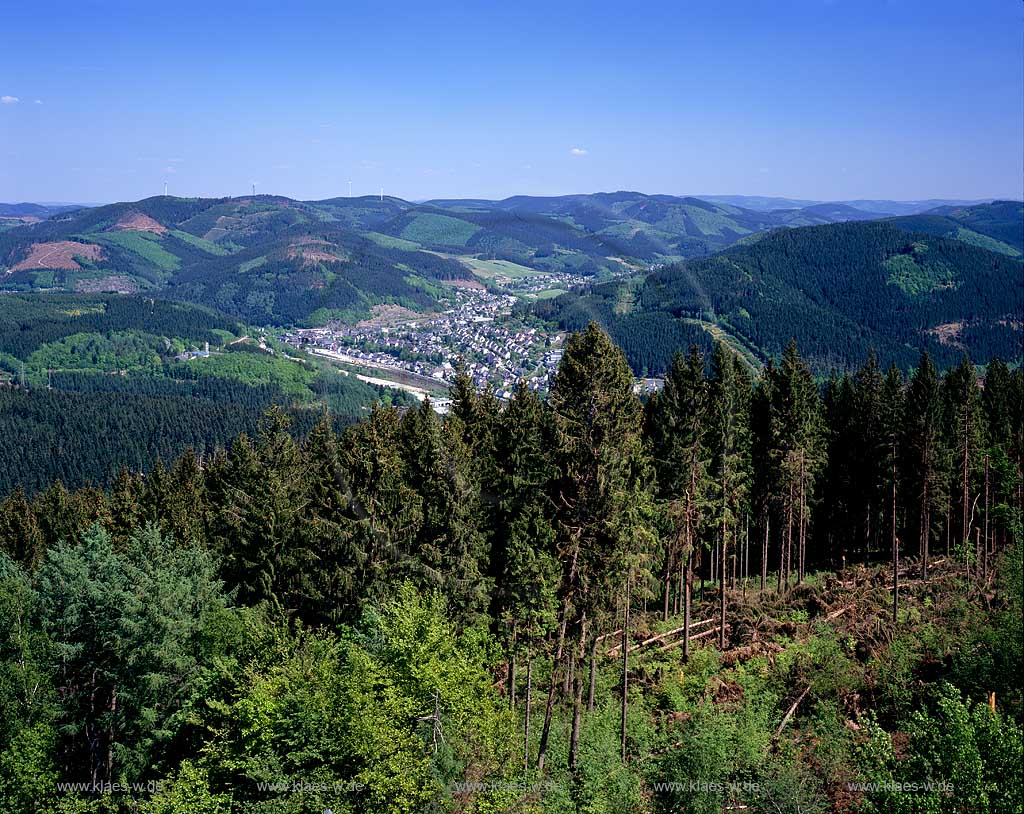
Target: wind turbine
[382, 193]
[165, 189]
[350, 189]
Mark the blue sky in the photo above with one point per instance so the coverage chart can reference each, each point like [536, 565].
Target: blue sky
[825, 100]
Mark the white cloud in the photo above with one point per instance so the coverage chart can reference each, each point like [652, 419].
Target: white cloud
[38, 102]
[577, 151]
[170, 169]
[9, 100]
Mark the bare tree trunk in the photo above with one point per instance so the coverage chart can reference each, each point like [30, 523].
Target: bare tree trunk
[721, 589]
[714, 563]
[733, 563]
[668, 587]
[550, 705]
[678, 604]
[577, 699]
[764, 552]
[593, 673]
[949, 519]
[984, 542]
[512, 673]
[966, 471]
[721, 596]
[789, 538]
[800, 560]
[625, 670]
[526, 727]
[895, 547]
[926, 522]
[746, 551]
[687, 602]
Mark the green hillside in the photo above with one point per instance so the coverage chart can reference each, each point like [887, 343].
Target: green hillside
[91, 383]
[273, 260]
[839, 289]
[265, 260]
[998, 226]
[648, 227]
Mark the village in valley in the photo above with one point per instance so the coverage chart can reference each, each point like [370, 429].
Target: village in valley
[479, 333]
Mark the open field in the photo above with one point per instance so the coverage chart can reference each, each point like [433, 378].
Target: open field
[491, 269]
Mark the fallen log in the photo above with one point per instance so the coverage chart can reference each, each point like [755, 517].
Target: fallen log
[792, 709]
[679, 642]
[660, 637]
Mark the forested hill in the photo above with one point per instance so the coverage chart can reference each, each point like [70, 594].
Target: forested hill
[90, 384]
[838, 289]
[748, 594]
[998, 226]
[263, 259]
[269, 259]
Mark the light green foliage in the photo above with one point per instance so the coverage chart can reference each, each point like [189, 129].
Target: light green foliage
[187, 792]
[389, 242]
[121, 350]
[256, 369]
[217, 249]
[249, 265]
[145, 244]
[915, 273]
[429, 228]
[984, 241]
[386, 720]
[959, 756]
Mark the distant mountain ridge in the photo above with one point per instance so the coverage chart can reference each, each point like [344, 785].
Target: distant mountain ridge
[839, 289]
[273, 260]
[882, 206]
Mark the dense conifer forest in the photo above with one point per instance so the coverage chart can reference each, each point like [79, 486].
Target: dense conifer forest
[747, 593]
[841, 290]
[93, 384]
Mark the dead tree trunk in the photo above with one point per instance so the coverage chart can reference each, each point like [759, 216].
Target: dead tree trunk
[512, 673]
[926, 522]
[966, 474]
[625, 670]
[687, 602]
[526, 725]
[593, 673]
[895, 548]
[764, 552]
[577, 699]
[667, 586]
[721, 588]
[801, 543]
[550, 705]
[984, 542]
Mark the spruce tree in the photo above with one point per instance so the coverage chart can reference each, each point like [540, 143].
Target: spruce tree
[600, 494]
[924, 453]
[678, 419]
